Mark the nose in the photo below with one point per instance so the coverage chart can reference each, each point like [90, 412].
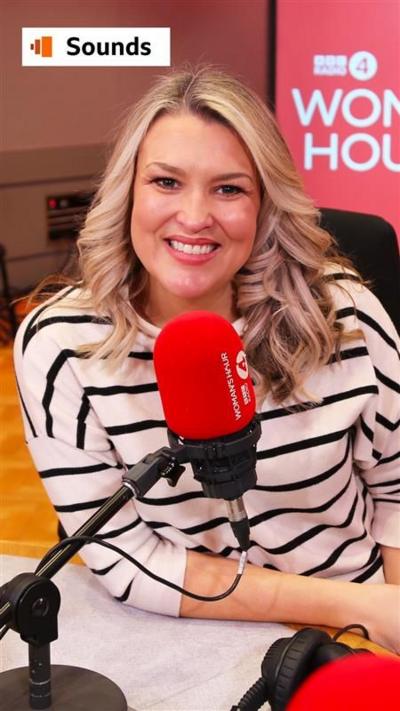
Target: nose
[194, 212]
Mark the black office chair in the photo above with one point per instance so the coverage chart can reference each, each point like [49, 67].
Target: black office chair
[371, 243]
[8, 318]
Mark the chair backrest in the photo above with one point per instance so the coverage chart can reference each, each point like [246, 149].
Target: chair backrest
[371, 244]
[8, 319]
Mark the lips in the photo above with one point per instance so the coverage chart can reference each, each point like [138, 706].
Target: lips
[191, 251]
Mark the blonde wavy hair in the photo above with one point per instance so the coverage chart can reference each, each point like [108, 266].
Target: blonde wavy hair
[282, 291]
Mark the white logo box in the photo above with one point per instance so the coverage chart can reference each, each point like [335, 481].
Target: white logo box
[98, 47]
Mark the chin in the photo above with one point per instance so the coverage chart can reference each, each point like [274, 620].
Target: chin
[188, 290]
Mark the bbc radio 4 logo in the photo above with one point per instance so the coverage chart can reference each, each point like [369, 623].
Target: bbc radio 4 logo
[43, 46]
[360, 65]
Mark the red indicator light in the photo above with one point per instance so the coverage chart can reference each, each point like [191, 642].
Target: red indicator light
[52, 203]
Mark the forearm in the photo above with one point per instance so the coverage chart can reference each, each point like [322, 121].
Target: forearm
[391, 564]
[268, 596]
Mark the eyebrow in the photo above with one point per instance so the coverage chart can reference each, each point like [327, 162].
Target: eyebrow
[179, 171]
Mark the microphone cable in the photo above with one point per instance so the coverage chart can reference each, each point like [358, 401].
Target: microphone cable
[154, 576]
[93, 539]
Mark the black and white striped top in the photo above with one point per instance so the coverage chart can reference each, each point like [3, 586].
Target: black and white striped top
[328, 477]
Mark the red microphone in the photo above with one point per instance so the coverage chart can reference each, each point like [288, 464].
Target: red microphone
[362, 682]
[209, 405]
[203, 376]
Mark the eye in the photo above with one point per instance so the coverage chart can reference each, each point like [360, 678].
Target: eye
[230, 189]
[166, 183]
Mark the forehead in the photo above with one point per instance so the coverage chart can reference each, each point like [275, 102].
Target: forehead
[186, 136]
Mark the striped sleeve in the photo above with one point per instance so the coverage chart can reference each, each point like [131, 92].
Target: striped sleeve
[80, 469]
[376, 444]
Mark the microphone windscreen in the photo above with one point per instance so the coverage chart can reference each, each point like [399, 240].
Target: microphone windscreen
[203, 376]
[361, 682]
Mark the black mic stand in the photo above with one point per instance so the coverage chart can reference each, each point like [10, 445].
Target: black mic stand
[29, 604]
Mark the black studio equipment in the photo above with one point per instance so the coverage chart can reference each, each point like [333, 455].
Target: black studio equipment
[222, 452]
[312, 671]
[29, 604]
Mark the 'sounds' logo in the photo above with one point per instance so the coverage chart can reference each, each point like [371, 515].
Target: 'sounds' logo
[43, 46]
[95, 46]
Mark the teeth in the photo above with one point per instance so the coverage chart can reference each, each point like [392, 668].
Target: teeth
[191, 249]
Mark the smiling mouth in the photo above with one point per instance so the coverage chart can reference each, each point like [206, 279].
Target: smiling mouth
[192, 248]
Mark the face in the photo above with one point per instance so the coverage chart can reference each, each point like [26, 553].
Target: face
[195, 206]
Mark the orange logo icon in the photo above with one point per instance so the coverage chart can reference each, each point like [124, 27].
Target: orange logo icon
[43, 46]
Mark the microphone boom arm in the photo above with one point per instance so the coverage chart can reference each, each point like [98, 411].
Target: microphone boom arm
[136, 482]
[29, 604]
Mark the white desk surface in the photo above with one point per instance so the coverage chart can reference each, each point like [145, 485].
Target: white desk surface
[159, 662]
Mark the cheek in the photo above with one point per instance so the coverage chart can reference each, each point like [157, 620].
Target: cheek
[240, 222]
[148, 213]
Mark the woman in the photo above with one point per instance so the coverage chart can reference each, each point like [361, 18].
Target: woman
[200, 207]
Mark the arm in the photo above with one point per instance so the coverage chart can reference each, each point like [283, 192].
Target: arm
[268, 596]
[80, 468]
[376, 447]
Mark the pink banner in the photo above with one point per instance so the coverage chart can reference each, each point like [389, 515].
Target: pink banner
[338, 100]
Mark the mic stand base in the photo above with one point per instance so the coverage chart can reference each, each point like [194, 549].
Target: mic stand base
[73, 689]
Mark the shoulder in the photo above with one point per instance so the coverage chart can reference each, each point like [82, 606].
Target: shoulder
[65, 320]
[356, 304]
[347, 290]
[352, 299]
